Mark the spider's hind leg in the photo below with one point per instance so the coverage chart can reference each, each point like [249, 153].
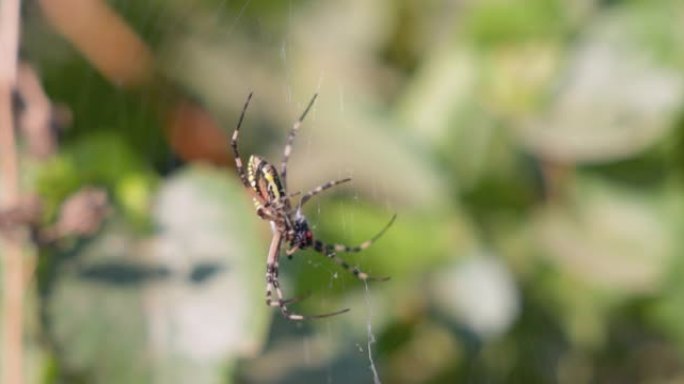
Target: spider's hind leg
[283, 303]
[273, 284]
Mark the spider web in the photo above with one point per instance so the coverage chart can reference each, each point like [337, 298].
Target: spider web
[371, 335]
[346, 226]
[336, 276]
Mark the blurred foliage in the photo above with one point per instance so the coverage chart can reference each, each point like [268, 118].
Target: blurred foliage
[100, 158]
[532, 151]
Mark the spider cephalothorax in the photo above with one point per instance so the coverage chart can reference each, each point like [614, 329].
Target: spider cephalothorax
[273, 203]
[303, 237]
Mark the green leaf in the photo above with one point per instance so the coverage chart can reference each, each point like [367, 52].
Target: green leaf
[178, 306]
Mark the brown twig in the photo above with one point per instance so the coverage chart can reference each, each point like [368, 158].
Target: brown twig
[37, 116]
[13, 284]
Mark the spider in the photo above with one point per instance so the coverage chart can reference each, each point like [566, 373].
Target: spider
[274, 203]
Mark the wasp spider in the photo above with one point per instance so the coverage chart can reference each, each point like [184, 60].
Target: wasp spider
[274, 203]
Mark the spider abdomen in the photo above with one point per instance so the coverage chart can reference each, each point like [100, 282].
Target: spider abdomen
[264, 179]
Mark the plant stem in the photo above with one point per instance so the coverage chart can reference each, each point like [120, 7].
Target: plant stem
[13, 281]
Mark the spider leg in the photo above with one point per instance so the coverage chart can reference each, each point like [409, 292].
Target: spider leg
[359, 274]
[277, 204]
[239, 166]
[234, 144]
[297, 299]
[290, 140]
[273, 283]
[320, 189]
[357, 248]
[330, 251]
[264, 211]
[291, 251]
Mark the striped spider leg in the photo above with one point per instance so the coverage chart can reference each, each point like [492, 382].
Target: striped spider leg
[290, 139]
[289, 226]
